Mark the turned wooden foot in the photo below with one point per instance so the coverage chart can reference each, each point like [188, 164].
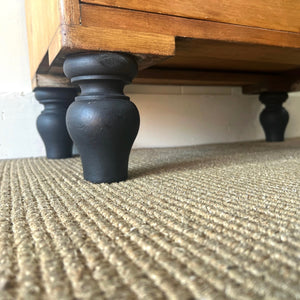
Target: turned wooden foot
[102, 121]
[274, 117]
[51, 123]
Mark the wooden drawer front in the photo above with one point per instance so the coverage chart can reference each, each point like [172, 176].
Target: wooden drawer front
[271, 14]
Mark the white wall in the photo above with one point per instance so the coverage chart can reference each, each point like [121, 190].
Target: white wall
[170, 115]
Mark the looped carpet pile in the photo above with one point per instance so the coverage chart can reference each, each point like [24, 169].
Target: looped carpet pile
[204, 222]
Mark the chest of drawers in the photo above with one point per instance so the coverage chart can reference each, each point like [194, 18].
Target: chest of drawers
[104, 44]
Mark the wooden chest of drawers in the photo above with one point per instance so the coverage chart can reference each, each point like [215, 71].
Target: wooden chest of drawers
[254, 44]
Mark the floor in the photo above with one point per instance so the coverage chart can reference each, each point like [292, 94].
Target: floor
[202, 222]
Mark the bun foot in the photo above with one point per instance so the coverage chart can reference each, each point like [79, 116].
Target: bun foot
[274, 118]
[102, 121]
[51, 123]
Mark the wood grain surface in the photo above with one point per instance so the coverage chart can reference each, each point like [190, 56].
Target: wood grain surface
[216, 55]
[107, 39]
[194, 77]
[272, 14]
[70, 12]
[184, 27]
[43, 20]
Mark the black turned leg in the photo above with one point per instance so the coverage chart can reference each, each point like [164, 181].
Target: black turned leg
[51, 123]
[274, 117]
[102, 121]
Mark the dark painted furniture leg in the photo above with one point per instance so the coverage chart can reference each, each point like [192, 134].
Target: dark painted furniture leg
[51, 123]
[274, 117]
[102, 121]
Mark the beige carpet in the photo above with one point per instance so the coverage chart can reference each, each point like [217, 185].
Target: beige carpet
[207, 222]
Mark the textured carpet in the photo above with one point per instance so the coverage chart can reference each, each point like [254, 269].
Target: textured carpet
[205, 222]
